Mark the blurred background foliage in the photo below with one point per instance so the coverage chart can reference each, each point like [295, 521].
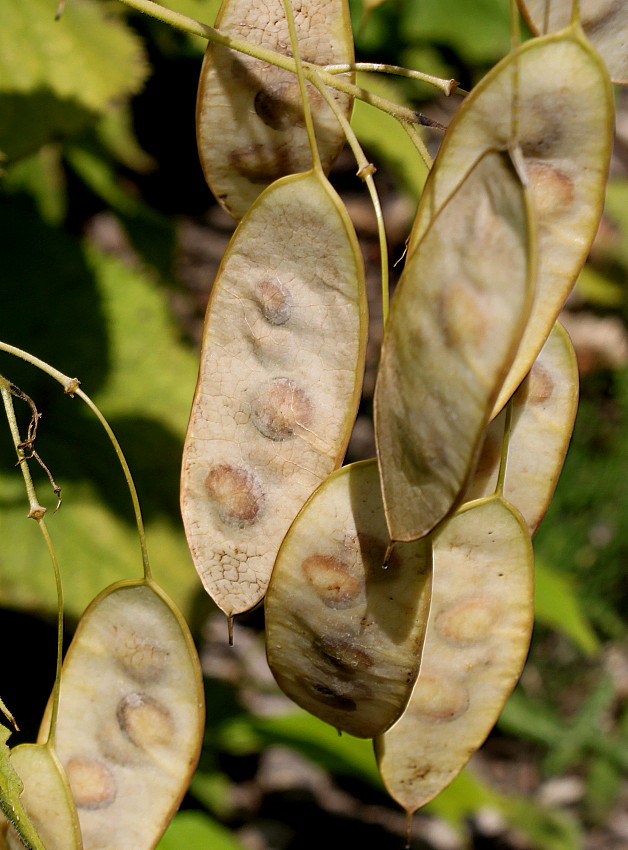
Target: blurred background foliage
[110, 240]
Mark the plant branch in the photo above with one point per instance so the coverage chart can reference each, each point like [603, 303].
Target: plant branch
[446, 86]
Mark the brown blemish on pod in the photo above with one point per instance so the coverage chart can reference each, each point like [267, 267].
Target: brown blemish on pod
[332, 580]
[92, 783]
[541, 385]
[280, 408]
[260, 163]
[142, 658]
[461, 314]
[342, 654]
[552, 189]
[145, 720]
[236, 493]
[274, 302]
[439, 698]
[468, 621]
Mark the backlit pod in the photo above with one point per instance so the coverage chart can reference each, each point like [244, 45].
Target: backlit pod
[46, 798]
[250, 124]
[475, 647]
[281, 372]
[543, 414]
[131, 716]
[605, 23]
[553, 97]
[455, 322]
[344, 635]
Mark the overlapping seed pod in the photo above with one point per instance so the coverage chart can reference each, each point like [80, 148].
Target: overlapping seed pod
[455, 323]
[250, 123]
[46, 798]
[565, 135]
[131, 716]
[344, 635]
[543, 414]
[605, 23]
[475, 647]
[281, 371]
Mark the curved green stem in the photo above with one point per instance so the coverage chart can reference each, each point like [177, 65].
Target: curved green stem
[419, 144]
[311, 72]
[71, 387]
[446, 86]
[36, 511]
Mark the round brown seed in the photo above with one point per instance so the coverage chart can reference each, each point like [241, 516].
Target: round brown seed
[92, 782]
[332, 580]
[552, 189]
[280, 408]
[142, 658]
[541, 385]
[145, 720]
[260, 163]
[279, 105]
[468, 621]
[274, 302]
[342, 654]
[236, 493]
[439, 698]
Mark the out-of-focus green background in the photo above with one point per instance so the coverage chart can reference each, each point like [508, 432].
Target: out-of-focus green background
[110, 240]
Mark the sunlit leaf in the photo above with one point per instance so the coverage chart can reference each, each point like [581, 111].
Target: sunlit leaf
[197, 831]
[557, 605]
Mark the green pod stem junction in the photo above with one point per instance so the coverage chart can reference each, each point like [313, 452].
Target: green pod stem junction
[275, 400]
[565, 135]
[250, 123]
[456, 320]
[343, 634]
[131, 715]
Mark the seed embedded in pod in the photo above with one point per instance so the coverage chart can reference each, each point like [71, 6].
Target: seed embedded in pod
[93, 784]
[467, 621]
[439, 698]
[139, 656]
[274, 301]
[145, 720]
[280, 408]
[236, 492]
[332, 580]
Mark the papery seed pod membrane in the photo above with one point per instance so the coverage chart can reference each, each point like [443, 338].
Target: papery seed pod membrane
[455, 322]
[565, 133]
[250, 124]
[281, 372]
[543, 415]
[131, 716]
[344, 634]
[475, 647]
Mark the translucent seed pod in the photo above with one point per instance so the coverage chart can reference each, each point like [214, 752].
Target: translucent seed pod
[131, 716]
[46, 798]
[565, 133]
[455, 322]
[543, 415]
[250, 123]
[475, 647]
[605, 23]
[281, 372]
[343, 634]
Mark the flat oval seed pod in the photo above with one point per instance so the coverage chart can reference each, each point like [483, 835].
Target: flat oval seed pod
[455, 323]
[281, 370]
[130, 717]
[475, 647]
[344, 635]
[543, 415]
[250, 124]
[605, 23]
[565, 134]
[46, 798]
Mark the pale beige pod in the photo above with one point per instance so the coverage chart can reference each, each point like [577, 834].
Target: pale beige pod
[131, 716]
[543, 415]
[605, 23]
[46, 798]
[250, 124]
[477, 639]
[281, 371]
[553, 98]
[455, 322]
[343, 634]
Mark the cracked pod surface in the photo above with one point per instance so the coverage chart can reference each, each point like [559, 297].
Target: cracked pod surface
[562, 119]
[131, 716]
[455, 322]
[475, 648]
[605, 23]
[344, 635]
[275, 401]
[46, 798]
[543, 415]
[250, 124]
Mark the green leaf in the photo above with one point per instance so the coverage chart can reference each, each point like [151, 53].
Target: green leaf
[558, 606]
[197, 831]
[41, 175]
